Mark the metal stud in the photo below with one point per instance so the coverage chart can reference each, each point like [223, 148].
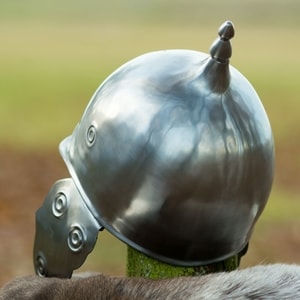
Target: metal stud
[41, 266]
[91, 135]
[60, 204]
[76, 239]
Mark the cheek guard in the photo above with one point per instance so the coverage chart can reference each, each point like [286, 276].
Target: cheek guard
[66, 231]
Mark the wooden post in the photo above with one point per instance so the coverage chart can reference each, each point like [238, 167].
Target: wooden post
[140, 265]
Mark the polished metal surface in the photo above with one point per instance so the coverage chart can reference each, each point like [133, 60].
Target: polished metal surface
[174, 155]
[66, 231]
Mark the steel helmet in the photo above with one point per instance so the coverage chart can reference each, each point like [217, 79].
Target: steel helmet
[173, 155]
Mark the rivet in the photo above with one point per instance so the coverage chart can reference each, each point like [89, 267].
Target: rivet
[60, 204]
[91, 135]
[40, 266]
[76, 239]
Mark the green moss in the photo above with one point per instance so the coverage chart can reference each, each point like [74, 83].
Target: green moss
[140, 265]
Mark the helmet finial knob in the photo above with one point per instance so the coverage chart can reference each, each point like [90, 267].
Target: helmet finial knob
[220, 50]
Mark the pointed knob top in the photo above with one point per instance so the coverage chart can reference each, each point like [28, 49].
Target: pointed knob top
[226, 31]
[220, 50]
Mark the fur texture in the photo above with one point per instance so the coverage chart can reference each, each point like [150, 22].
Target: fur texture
[276, 281]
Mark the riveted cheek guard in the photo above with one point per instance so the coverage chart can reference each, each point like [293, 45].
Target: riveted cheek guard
[66, 231]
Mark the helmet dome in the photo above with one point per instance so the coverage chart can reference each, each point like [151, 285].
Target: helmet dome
[174, 154]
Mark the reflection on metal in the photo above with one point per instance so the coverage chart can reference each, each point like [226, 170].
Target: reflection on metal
[174, 155]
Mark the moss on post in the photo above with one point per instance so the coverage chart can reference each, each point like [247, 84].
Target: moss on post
[140, 265]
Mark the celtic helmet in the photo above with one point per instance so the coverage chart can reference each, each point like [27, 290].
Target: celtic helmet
[173, 155]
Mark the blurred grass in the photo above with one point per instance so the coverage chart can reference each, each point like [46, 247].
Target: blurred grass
[53, 56]
[48, 78]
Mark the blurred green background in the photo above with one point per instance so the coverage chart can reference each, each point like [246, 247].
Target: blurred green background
[54, 54]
